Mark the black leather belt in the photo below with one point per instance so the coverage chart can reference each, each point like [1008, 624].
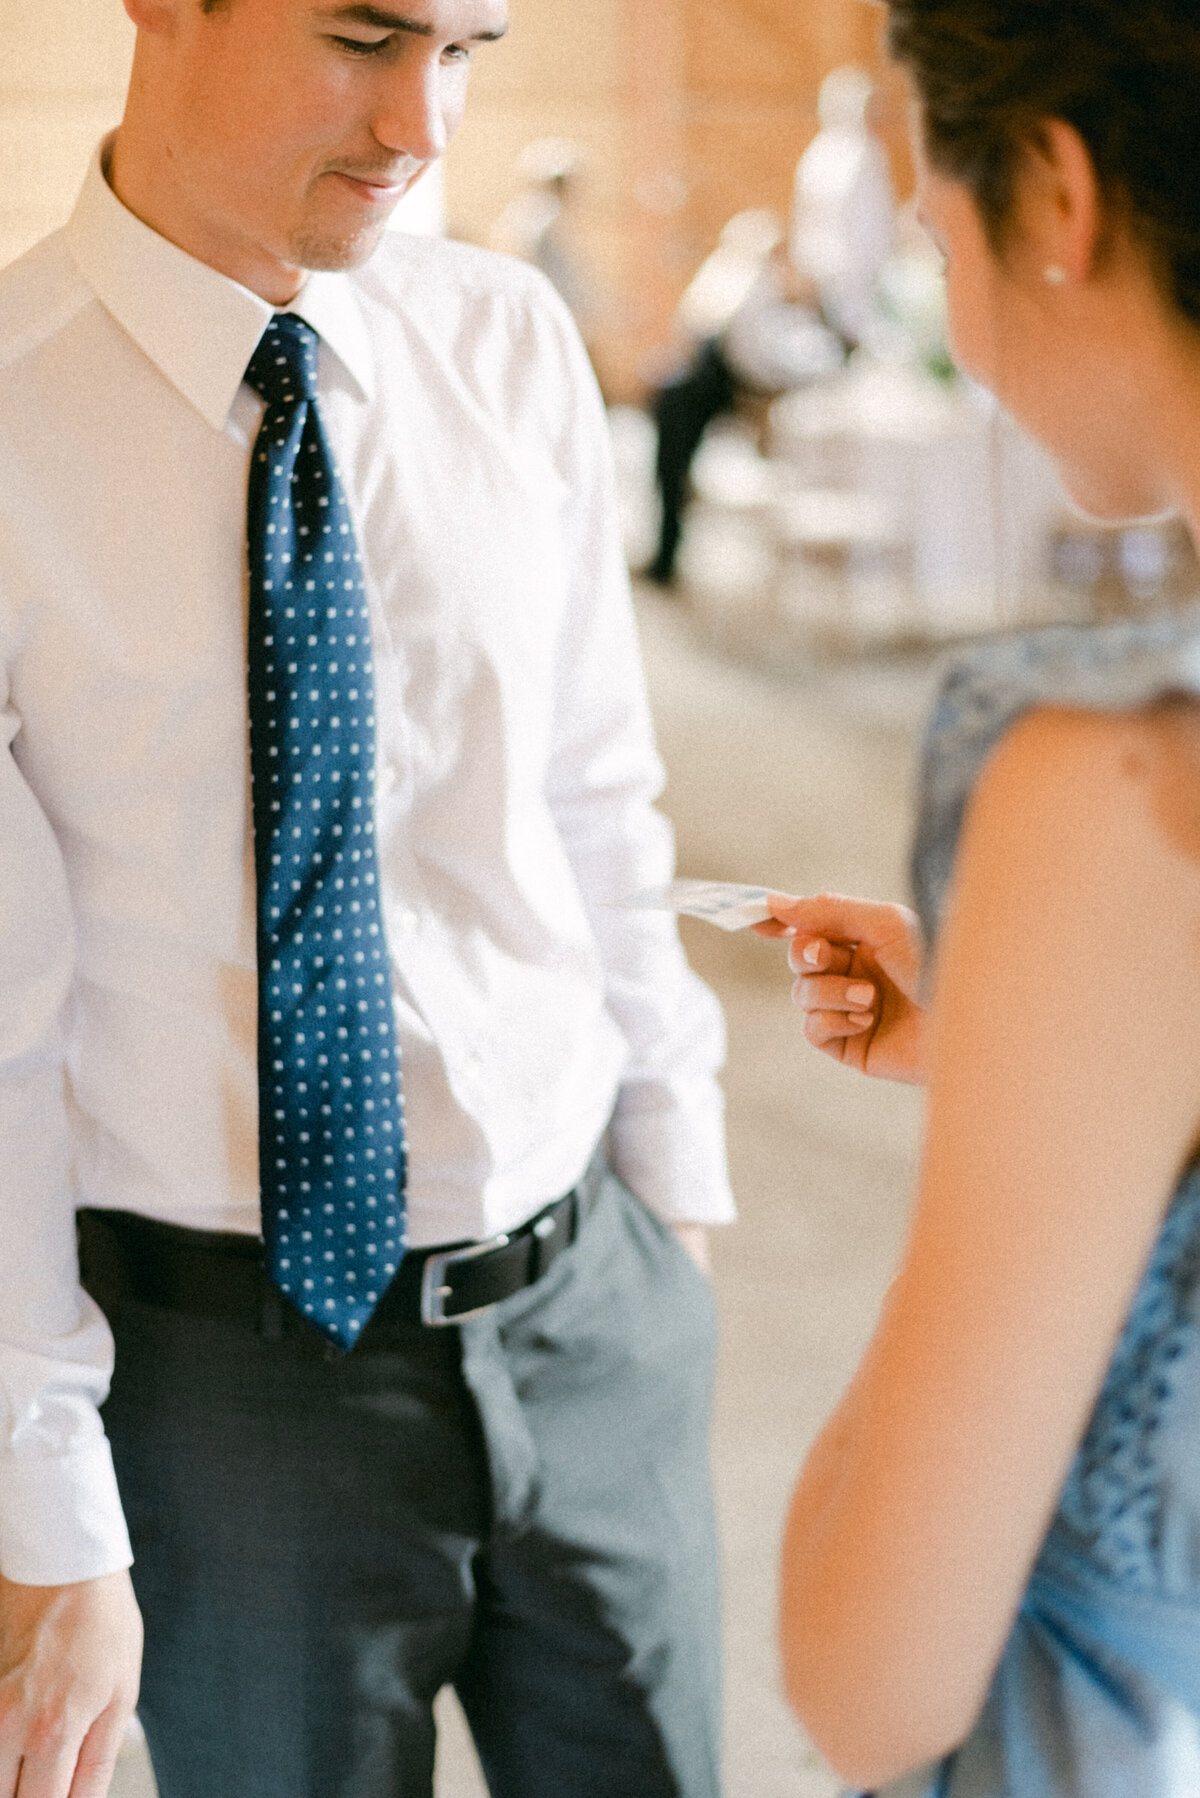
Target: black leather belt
[213, 1273]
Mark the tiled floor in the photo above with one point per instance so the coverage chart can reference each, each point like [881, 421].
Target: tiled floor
[801, 782]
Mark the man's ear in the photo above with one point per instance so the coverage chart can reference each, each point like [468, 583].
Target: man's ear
[1061, 207]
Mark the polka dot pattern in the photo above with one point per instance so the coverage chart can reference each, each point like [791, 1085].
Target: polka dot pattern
[331, 1126]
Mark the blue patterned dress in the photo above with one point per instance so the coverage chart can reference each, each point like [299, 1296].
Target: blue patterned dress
[1098, 1691]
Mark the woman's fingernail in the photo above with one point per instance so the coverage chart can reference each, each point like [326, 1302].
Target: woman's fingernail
[861, 994]
[812, 955]
[860, 1019]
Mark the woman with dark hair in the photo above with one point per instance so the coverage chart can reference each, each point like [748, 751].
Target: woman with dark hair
[991, 1580]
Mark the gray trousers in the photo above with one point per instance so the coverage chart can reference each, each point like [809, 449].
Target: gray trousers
[518, 1506]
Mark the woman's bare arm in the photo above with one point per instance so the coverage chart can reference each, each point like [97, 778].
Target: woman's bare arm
[1064, 1103]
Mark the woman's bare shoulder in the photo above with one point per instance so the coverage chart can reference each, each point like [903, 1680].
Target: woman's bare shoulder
[1102, 770]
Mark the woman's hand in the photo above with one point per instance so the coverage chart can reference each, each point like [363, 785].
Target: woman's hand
[860, 968]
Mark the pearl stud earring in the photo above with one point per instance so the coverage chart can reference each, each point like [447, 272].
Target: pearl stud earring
[1054, 274]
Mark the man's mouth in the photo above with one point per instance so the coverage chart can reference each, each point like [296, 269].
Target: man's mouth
[377, 186]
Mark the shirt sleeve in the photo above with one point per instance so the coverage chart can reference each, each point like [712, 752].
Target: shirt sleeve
[667, 1138]
[60, 1516]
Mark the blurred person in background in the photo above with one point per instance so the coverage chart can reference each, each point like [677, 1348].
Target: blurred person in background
[991, 1573]
[743, 327]
[844, 206]
[538, 226]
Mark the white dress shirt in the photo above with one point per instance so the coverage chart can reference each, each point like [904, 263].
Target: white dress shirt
[515, 775]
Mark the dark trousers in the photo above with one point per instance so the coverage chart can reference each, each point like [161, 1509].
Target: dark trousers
[683, 411]
[517, 1505]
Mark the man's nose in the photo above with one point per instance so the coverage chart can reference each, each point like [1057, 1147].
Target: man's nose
[411, 114]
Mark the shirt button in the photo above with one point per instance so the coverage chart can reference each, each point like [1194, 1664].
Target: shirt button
[385, 780]
[406, 921]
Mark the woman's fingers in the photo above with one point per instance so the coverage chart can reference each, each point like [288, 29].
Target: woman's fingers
[821, 1028]
[807, 952]
[808, 955]
[834, 915]
[834, 1007]
[828, 992]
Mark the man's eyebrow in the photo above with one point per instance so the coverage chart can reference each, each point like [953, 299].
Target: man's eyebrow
[382, 19]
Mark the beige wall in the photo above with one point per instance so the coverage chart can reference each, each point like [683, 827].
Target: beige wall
[63, 68]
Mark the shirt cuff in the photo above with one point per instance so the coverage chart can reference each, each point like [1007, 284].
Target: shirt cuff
[673, 1156]
[61, 1518]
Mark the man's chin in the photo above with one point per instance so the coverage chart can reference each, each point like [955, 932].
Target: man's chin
[334, 251]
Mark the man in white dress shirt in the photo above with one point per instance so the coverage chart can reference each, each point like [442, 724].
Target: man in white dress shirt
[516, 1504]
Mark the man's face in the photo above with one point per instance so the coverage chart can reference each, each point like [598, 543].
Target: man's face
[289, 129]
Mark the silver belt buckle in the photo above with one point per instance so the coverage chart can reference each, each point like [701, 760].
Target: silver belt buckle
[435, 1292]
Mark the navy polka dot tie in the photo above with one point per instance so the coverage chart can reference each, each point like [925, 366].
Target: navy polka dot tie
[331, 1126]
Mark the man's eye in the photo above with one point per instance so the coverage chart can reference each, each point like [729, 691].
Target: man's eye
[359, 46]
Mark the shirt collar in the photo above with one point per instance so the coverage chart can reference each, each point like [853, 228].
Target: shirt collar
[199, 328]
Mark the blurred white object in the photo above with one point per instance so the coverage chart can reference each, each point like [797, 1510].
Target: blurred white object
[772, 344]
[972, 498]
[729, 473]
[909, 322]
[549, 159]
[422, 211]
[634, 444]
[844, 206]
[844, 566]
[720, 902]
[724, 279]
[133, 1776]
[728, 557]
[728, 564]
[738, 295]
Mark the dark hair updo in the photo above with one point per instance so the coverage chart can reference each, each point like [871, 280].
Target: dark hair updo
[1124, 73]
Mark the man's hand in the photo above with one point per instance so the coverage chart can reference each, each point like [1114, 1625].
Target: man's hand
[70, 1659]
[860, 967]
[694, 1238]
